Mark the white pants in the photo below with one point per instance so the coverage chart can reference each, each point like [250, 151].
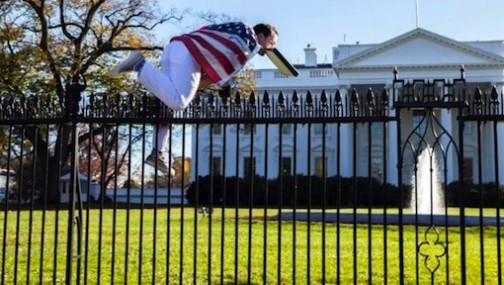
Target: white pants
[175, 85]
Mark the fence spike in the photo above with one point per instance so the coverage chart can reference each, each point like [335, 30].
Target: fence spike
[281, 99]
[266, 99]
[354, 97]
[295, 100]
[370, 96]
[309, 98]
[494, 95]
[323, 98]
[237, 100]
[252, 99]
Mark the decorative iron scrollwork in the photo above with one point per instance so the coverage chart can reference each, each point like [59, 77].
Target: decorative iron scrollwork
[432, 249]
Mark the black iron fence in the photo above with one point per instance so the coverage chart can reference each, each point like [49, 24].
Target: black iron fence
[400, 185]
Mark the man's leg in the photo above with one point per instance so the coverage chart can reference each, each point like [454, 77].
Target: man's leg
[175, 87]
[179, 81]
[159, 156]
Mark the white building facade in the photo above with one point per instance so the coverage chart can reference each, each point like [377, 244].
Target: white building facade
[311, 150]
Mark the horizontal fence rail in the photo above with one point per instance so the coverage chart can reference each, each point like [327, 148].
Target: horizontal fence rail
[270, 187]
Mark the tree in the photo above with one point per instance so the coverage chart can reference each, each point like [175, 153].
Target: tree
[182, 167]
[49, 45]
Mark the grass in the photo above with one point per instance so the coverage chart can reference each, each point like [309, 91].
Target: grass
[168, 246]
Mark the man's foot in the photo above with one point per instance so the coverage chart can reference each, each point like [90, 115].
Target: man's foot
[129, 64]
[159, 162]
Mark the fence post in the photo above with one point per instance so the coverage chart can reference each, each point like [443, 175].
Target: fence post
[72, 114]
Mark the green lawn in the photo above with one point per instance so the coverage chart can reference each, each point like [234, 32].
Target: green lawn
[147, 242]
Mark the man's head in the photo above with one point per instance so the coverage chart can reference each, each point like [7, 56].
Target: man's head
[267, 36]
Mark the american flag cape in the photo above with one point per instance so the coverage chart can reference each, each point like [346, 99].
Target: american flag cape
[221, 50]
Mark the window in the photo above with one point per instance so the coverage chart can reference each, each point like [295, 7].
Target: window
[321, 73]
[286, 166]
[216, 165]
[278, 74]
[217, 129]
[376, 168]
[249, 128]
[468, 128]
[249, 166]
[319, 129]
[419, 118]
[376, 130]
[258, 74]
[320, 166]
[468, 170]
[286, 129]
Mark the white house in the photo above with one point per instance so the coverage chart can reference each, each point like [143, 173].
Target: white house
[85, 183]
[161, 196]
[418, 54]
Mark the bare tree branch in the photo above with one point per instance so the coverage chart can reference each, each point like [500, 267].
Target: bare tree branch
[39, 10]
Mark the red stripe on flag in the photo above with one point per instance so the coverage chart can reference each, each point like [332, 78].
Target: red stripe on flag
[229, 44]
[221, 57]
[198, 56]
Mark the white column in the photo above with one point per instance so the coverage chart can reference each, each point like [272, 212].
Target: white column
[500, 139]
[488, 153]
[347, 144]
[231, 150]
[392, 148]
[447, 122]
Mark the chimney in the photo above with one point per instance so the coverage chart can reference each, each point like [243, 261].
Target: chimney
[310, 56]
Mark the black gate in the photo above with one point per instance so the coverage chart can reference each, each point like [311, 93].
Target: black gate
[399, 185]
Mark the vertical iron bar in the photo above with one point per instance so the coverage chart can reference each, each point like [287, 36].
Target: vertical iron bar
[103, 189]
[182, 209]
[156, 186]
[324, 199]
[75, 190]
[224, 204]
[497, 191]
[237, 206]
[34, 172]
[251, 197]
[266, 205]
[44, 207]
[72, 112]
[6, 205]
[294, 228]
[114, 211]
[308, 234]
[56, 218]
[88, 207]
[182, 199]
[370, 206]
[195, 238]
[338, 209]
[210, 204]
[354, 206]
[18, 216]
[480, 190]
[401, 192]
[128, 197]
[280, 203]
[142, 206]
[463, 278]
[385, 195]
